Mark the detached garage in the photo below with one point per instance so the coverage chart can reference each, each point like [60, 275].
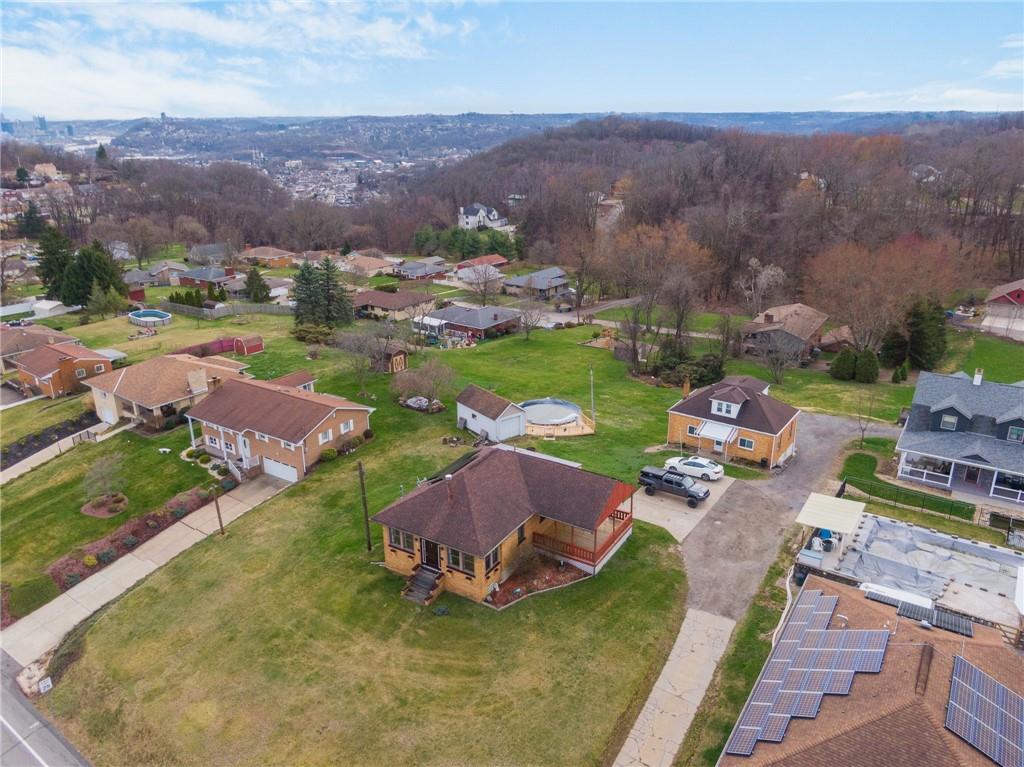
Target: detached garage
[486, 414]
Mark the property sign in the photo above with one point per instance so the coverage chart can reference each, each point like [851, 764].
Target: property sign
[45, 684]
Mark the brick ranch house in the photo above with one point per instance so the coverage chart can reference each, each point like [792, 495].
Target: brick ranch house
[154, 390]
[466, 531]
[57, 369]
[397, 306]
[266, 427]
[735, 418]
[17, 341]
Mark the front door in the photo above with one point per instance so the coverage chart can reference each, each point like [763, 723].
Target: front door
[430, 553]
[971, 474]
[719, 446]
[243, 446]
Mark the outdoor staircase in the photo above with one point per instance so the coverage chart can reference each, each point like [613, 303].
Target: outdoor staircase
[422, 586]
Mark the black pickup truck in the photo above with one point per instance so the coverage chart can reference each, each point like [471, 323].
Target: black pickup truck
[653, 479]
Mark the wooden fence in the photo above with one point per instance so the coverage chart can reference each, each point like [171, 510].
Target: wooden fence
[227, 310]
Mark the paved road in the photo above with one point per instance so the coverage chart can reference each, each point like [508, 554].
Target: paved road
[27, 739]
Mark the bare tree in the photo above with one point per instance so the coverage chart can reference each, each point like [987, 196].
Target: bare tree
[677, 298]
[758, 283]
[362, 348]
[143, 238]
[105, 477]
[727, 337]
[531, 316]
[777, 353]
[483, 282]
[7, 273]
[865, 406]
[432, 380]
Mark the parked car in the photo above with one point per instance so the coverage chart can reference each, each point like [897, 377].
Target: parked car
[653, 479]
[695, 466]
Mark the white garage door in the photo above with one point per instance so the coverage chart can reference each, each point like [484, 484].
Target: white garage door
[280, 470]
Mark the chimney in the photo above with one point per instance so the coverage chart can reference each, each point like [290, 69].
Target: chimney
[451, 490]
[495, 317]
[769, 319]
[686, 387]
[979, 374]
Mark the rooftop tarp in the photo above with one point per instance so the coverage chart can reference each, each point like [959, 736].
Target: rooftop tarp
[829, 513]
[717, 431]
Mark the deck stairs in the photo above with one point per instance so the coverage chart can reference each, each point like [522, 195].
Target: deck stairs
[422, 587]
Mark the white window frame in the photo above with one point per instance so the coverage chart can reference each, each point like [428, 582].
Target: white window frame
[212, 441]
[1020, 434]
[80, 373]
[942, 422]
[228, 447]
[261, 437]
[719, 407]
[744, 447]
[287, 445]
[325, 436]
[348, 426]
[691, 430]
[98, 368]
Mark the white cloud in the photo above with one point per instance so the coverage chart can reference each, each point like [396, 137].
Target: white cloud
[937, 96]
[1013, 41]
[1007, 69]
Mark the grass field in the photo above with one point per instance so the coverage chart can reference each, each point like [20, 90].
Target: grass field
[284, 644]
[1001, 359]
[859, 471]
[40, 519]
[35, 416]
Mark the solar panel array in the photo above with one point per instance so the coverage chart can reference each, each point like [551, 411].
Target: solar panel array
[938, 618]
[808, 662]
[986, 714]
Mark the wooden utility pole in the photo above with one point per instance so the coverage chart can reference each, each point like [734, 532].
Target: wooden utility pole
[216, 505]
[366, 509]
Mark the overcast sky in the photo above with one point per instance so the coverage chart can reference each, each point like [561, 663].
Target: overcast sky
[125, 60]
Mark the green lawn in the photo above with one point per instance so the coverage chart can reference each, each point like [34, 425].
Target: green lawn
[739, 668]
[1001, 359]
[700, 322]
[35, 416]
[859, 472]
[943, 523]
[40, 519]
[285, 644]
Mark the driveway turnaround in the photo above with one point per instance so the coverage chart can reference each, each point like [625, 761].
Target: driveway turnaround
[671, 512]
[41, 631]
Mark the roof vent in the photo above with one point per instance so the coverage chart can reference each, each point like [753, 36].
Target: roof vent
[495, 316]
[979, 375]
[447, 476]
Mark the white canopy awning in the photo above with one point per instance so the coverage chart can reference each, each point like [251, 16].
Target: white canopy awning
[829, 513]
[717, 431]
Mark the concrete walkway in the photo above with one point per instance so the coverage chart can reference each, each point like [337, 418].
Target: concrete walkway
[59, 447]
[41, 631]
[665, 719]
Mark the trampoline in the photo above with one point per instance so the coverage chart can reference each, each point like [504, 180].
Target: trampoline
[551, 412]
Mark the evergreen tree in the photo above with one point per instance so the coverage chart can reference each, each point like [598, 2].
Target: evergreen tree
[894, 348]
[309, 309]
[211, 292]
[54, 260]
[866, 367]
[91, 264]
[222, 294]
[844, 366]
[256, 287]
[21, 175]
[101, 153]
[30, 223]
[97, 301]
[336, 305]
[926, 323]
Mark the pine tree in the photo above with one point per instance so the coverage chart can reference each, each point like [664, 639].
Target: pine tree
[101, 153]
[926, 323]
[894, 348]
[21, 175]
[54, 260]
[844, 366]
[336, 304]
[91, 264]
[256, 287]
[30, 223]
[97, 301]
[867, 367]
[309, 309]
[211, 292]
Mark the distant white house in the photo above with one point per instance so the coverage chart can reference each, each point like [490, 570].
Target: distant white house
[487, 415]
[478, 216]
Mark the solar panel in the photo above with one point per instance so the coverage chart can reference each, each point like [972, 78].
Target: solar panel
[742, 741]
[986, 714]
[952, 622]
[774, 729]
[765, 692]
[755, 715]
[883, 598]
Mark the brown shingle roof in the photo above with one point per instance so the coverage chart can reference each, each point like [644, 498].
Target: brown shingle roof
[894, 718]
[486, 403]
[758, 412]
[18, 340]
[264, 253]
[295, 378]
[382, 299]
[491, 259]
[284, 412]
[799, 320]
[497, 491]
[46, 359]
[165, 379]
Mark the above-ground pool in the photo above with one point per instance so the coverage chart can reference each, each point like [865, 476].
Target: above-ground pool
[149, 317]
[550, 411]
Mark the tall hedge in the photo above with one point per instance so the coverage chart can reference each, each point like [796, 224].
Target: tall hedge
[867, 367]
[844, 366]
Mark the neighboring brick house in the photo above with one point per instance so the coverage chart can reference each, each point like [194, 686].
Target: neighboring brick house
[475, 322]
[272, 258]
[264, 426]
[794, 328]
[17, 341]
[207, 275]
[466, 531]
[57, 369]
[300, 379]
[160, 387]
[402, 305]
[166, 272]
[735, 418]
[491, 259]
[365, 264]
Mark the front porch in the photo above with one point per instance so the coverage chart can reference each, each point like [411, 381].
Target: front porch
[587, 549]
[963, 478]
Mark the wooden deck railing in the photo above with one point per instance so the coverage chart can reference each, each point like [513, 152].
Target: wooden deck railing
[590, 556]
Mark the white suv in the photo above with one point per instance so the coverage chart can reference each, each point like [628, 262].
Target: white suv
[695, 466]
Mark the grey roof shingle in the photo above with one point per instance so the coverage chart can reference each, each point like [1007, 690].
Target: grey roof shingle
[478, 317]
[544, 279]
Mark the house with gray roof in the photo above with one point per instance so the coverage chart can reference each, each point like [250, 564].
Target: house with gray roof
[215, 253]
[543, 285]
[965, 434]
[470, 321]
[477, 216]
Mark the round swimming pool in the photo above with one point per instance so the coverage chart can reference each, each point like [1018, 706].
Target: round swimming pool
[149, 317]
[550, 411]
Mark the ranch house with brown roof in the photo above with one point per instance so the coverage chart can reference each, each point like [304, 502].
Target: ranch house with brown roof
[735, 418]
[795, 328]
[57, 369]
[400, 305]
[267, 427]
[15, 341]
[466, 531]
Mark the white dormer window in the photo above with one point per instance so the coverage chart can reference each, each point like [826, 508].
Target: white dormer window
[728, 409]
[948, 422]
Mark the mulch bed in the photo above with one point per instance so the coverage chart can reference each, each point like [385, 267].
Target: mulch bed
[533, 574]
[106, 506]
[70, 570]
[33, 443]
[6, 619]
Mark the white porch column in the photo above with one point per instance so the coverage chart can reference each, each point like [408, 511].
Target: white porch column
[992, 488]
[191, 435]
